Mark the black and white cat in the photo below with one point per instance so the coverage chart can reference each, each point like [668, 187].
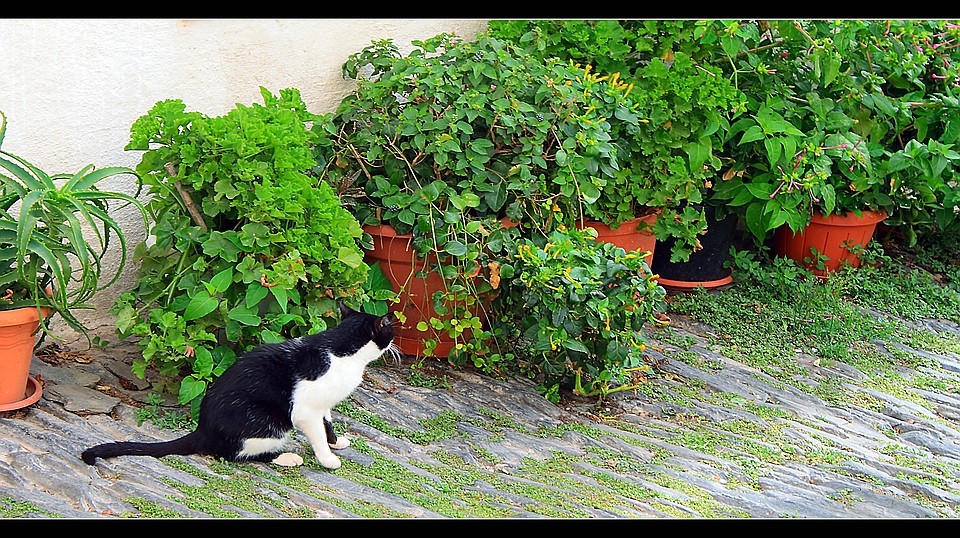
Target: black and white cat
[249, 412]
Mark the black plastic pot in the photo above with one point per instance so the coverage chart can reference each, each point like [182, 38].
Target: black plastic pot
[705, 267]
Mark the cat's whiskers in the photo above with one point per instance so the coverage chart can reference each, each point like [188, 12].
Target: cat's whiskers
[394, 353]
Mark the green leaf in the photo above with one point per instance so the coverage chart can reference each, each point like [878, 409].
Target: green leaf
[269, 337]
[255, 294]
[773, 147]
[280, 295]
[223, 358]
[455, 248]
[575, 345]
[351, 257]
[219, 245]
[190, 388]
[752, 134]
[698, 153]
[222, 280]
[589, 192]
[755, 220]
[203, 361]
[762, 191]
[200, 305]
[244, 315]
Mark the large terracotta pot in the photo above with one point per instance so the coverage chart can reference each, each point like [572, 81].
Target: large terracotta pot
[830, 236]
[17, 330]
[627, 236]
[401, 266]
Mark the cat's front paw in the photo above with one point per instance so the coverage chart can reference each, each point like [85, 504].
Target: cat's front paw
[342, 442]
[288, 459]
[329, 461]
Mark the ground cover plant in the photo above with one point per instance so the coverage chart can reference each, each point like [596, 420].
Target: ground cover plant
[779, 310]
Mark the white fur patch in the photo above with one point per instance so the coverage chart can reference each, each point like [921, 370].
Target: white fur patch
[288, 459]
[260, 445]
[344, 376]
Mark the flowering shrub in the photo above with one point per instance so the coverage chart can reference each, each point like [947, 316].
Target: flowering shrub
[444, 142]
[832, 116]
[576, 308]
[668, 132]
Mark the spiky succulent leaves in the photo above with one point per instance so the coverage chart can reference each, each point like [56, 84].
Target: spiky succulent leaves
[44, 245]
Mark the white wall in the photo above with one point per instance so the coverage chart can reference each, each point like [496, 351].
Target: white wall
[71, 88]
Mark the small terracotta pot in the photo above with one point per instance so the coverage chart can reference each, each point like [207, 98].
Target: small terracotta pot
[627, 236]
[830, 236]
[17, 330]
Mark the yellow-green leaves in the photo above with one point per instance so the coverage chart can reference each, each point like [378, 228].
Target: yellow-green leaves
[276, 248]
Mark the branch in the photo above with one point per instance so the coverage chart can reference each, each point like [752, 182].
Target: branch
[187, 199]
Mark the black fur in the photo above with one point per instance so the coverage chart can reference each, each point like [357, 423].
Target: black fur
[255, 397]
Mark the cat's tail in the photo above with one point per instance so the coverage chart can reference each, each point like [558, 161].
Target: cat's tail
[183, 446]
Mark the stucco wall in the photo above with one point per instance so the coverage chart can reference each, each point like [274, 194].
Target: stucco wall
[71, 88]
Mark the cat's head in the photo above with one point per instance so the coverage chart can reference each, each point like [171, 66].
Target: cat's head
[378, 328]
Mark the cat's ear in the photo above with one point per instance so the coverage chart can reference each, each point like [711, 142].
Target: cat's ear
[344, 309]
[387, 320]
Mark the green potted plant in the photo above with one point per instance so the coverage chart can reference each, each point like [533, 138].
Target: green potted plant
[668, 159]
[246, 245]
[54, 232]
[842, 121]
[450, 153]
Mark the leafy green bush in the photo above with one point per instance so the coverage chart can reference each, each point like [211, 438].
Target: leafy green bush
[841, 116]
[247, 246]
[667, 138]
[447, 141]
[833, 115]
[575, 309]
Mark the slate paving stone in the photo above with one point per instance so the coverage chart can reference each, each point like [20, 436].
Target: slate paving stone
[898, 461]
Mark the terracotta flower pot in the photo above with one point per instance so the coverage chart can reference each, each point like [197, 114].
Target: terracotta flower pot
[627, 236]
[400, 264]
[831, 237]
[17, 330]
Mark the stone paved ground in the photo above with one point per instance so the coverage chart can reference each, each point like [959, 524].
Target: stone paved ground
[708, 437]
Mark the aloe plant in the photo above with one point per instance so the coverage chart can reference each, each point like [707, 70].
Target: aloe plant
[54, 232]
